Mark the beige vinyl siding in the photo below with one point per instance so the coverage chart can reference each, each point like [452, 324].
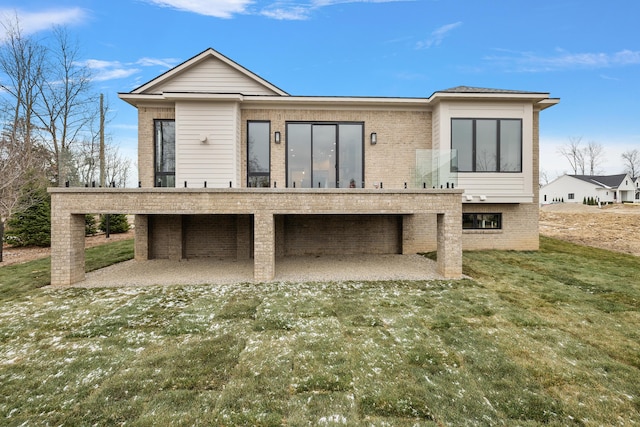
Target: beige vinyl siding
[435, 137]
[213, 76]
[496, 187]
[215, 160]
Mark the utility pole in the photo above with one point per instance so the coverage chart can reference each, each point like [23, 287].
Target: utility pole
[102, 165]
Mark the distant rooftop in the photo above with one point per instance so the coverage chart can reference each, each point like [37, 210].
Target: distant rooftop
[611, 181]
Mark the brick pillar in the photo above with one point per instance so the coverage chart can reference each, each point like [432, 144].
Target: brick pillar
[141, 229]
[67, 247]
[450, 245]
[264, 248]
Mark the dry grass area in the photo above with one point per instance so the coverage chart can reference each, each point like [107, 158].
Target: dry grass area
[612, 227]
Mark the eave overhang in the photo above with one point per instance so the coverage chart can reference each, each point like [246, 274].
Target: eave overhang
[540, 100]
[264, 101]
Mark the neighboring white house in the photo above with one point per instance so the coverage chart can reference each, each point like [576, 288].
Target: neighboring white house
[602, 188]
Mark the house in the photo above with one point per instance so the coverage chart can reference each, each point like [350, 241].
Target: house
[600, 188]
[232, 166]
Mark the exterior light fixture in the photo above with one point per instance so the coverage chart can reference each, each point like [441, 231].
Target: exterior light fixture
[374, 138]
[203, 138]
[277, 137]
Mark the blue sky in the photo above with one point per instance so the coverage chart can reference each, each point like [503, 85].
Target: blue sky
[587, 53]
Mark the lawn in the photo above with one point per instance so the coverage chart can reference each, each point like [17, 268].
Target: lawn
[534, 338]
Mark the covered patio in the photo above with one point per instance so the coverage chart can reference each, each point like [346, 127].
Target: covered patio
[263, 206]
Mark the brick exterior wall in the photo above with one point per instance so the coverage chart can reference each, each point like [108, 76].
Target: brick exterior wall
[391, 161]
[341, 234]
[210, 236]
[519, 228]
[165, 237]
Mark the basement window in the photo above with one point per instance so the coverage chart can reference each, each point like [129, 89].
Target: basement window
[481, 221]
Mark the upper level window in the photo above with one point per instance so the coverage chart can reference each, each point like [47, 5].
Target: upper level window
[258, 154]
[487, 145]
[325, 155]
[165, 153]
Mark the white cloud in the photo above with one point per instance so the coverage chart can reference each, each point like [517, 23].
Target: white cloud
[563, 60]
[289, 10]
[293, 13]
[215, 8]
[33, 22]
[322, 3]
[161, 62]
[111, 70]
[438, 35]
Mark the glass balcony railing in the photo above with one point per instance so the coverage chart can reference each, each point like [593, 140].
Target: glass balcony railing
[435, 169]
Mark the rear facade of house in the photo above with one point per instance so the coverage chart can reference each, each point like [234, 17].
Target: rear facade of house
[219, 146]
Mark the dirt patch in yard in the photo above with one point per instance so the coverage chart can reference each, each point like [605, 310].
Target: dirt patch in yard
[613, 227]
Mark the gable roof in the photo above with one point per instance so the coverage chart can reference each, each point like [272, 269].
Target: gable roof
[609, 181]
[207, 54]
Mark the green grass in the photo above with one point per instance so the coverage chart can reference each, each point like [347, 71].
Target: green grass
[535, 338]
[17, 279]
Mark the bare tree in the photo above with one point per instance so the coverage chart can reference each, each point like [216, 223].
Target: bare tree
[87, 161]
[22, 62]
[67, 105]
[594, 156]
[22, 160]
[544, 177]
[86, 156]
[574, 153]
[631, 162]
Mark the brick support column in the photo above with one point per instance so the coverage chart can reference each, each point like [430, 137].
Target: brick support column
[67, 247]
[141, 229]
[264, 247]
[450, 244]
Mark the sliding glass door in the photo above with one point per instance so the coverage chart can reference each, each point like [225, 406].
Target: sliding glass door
[325, 155]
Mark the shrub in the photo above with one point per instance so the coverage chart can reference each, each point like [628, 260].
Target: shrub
[90, 225]
[118, 223]
[31, 226]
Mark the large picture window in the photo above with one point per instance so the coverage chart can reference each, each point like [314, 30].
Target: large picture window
[325, 155]
[487, 145]
[258, 154]
[165, 153]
